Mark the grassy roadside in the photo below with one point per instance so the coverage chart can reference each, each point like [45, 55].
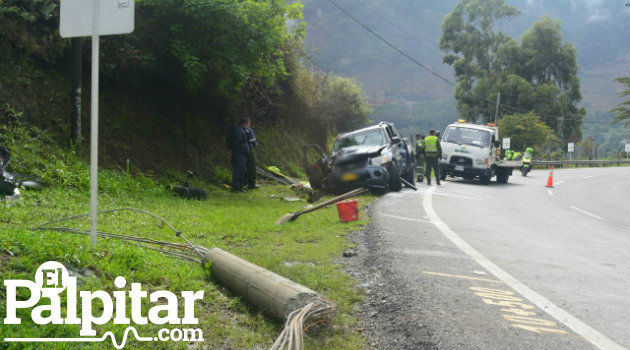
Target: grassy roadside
[242, 224]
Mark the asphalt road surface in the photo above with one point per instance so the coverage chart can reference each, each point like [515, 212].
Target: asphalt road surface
[504, 266]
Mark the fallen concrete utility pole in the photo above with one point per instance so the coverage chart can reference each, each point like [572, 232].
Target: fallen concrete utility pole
[276, 295]
[299, 307]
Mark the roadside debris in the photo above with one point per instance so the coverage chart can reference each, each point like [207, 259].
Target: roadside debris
[293, 216]
[273, 173]
[299, 307]
[408, 184]
[10, 183]
[348, 253]
[187, 191]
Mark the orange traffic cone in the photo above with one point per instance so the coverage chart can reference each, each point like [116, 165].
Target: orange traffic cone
[550, 179]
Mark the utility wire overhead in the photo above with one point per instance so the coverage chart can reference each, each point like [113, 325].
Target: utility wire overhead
[390, 44]
[420, 40]
[448, 81]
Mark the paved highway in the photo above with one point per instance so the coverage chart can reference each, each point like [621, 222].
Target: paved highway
[514, 266]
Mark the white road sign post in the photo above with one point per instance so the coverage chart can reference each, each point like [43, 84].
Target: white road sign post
[506, 143]
[627, 149]
[95, 18]
[571, 149]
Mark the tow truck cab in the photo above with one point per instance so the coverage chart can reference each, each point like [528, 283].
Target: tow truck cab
[471, 150]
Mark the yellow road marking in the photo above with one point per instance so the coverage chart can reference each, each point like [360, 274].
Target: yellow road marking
[516, 314]
[461, 276]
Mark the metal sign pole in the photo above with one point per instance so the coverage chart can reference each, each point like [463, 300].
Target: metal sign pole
[94, 122]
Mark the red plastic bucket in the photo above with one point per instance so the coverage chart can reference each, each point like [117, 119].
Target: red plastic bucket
[348, 210]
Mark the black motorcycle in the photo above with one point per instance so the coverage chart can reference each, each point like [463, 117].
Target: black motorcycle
[527, 165]
[11, 182]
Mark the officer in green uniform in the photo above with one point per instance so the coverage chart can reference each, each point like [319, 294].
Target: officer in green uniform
[508, 155]
[420, 156]
[432, 153]
[517, 155]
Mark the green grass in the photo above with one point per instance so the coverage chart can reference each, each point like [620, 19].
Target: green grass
[243, 224]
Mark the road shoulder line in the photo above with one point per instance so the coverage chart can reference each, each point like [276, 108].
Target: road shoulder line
[587, 213]
[596, 338]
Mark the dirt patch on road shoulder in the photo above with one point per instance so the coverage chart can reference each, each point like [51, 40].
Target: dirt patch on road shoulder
[388, 316]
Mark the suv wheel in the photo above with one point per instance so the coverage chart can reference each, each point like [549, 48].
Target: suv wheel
[394, 178]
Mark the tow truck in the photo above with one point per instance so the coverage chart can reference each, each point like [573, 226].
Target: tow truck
[474, 151]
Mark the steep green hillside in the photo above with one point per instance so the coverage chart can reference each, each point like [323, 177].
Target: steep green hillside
[599, 30]
[171, 90]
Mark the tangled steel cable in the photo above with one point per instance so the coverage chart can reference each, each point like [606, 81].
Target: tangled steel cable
[186, 252]
[305, 314]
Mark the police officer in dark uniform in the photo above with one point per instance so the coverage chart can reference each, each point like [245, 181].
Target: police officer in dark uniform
[432, 154]
[238, 143]
[420, 156]
[250, 172]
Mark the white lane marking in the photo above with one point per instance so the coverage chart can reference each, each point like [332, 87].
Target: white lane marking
[560, 182]
[550, 193]
[460, 276]
[587, 177]
[587, 213]
[596, 338]
[456, 196]
[406, 218]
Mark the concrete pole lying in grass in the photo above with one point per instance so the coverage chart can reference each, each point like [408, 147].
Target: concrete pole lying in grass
[276, 295]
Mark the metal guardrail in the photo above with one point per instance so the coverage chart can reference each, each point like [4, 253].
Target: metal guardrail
[589, 163]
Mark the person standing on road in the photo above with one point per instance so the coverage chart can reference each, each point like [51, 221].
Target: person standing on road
[420, 155]
[432, 153]
[239, 146]
[250, 166]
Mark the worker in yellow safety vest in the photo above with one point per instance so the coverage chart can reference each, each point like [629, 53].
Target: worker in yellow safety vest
[432, 154]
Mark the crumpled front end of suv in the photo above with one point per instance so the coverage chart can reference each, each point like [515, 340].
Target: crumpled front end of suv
[355, 168]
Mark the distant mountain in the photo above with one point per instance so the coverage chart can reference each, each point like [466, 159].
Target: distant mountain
[600, 29]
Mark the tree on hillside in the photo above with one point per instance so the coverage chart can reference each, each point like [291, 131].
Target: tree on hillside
[622, 111]
[524, 130]
[539, 74]
[470, 43]
[551, 68]
[38, 16]
[342, 103]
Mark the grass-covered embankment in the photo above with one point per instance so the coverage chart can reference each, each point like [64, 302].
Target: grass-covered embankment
[242, 224]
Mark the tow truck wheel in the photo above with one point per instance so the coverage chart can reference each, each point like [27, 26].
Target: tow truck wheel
[394, 178]
[502, 177]
[442, 175]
